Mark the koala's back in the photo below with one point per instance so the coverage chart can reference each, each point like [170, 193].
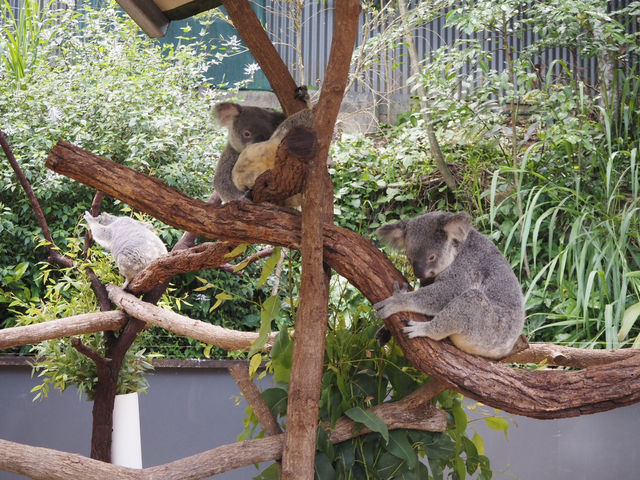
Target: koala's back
[481, 267]
[134, 246]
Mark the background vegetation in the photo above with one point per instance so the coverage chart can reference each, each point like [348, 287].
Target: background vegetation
[546, 163]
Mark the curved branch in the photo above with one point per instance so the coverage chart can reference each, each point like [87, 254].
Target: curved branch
[540, 394]
[206, 255]
[550, 354]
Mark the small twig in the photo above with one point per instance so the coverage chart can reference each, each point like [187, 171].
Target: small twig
[100, 361]
[42, 221]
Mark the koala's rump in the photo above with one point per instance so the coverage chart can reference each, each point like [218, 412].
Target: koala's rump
[135, 249]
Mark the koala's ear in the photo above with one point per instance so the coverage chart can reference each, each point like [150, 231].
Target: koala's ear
[458, 226]
[227, 112]
[393, 234]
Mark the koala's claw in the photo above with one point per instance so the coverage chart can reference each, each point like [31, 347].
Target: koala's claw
[385, 308]
[415, 329]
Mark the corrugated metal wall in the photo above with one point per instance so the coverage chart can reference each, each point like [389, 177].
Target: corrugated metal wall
[390, 73]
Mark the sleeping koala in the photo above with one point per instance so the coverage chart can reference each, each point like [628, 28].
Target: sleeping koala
[475, 298]
[258, 157]
[246, 126]
[131, 242]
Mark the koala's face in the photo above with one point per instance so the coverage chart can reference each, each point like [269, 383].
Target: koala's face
[247, 125]
[431, 240]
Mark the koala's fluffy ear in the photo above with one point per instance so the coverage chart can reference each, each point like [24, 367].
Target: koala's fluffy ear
[457, 227]
[393, 234]
[226, 113]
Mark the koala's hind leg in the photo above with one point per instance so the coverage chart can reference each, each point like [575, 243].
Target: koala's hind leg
[469, 320]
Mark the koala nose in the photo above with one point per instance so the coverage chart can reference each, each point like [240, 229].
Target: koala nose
[420, 270]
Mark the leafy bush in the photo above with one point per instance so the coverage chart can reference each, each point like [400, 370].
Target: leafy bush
[359, 374]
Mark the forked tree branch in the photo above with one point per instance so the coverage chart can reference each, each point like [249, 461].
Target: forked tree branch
[539, 394]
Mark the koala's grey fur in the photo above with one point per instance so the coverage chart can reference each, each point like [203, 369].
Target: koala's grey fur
[475, 298]
[245, 125]
[131, 242]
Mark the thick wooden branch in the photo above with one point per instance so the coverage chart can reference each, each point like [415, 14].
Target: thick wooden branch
[200, 257]
[540, 394]
[181, 325]
[415, 411]
[558, 355]
[64, 327]
[298, 460]
[254, 35]
[45, 464]
[252, 395]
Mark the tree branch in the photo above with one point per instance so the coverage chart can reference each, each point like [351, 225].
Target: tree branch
[205, 255]
[539, 394]
[64, 327]
[251, 31]
[181, 325]
[46, 464]
[551, 354]
[252, 395]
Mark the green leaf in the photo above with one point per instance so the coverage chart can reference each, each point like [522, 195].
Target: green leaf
[497, 423]
[221, 297]
[478, 441]
[459, 467]
[269, 266]
[400, 447]
[324, 469]
[272, 472]
[254, 364]
[281, 353]
[629, 318]
[269, 312]
[239, 250]
[459, 417]
[369, 420]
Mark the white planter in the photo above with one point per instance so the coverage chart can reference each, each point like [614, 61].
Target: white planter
[126, 448]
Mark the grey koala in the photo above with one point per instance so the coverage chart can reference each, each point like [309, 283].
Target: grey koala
[475, 298]
[131, 242]
[245, 125]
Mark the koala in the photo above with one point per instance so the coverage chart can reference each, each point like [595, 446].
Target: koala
[245, 125]
[131, 242]
[474, 297]
[260, 156]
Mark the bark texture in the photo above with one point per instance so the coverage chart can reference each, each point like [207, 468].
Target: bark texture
[538, 394]
[46, 464]
[181, 325]
[64, 327]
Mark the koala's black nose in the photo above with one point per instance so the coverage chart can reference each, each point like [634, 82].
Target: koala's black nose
[420, 269]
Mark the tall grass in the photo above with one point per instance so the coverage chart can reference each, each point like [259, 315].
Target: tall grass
[579, 232]
[22, 36]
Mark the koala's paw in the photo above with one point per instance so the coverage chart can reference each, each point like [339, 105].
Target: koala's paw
[88, 217]
[397, 288]
[387, 307]
[416, 329]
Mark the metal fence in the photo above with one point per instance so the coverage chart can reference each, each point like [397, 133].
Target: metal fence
[311, 29]
[390, 73]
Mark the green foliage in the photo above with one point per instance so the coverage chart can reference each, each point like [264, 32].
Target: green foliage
[359, 374]
[103, 85]
[57, 362]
